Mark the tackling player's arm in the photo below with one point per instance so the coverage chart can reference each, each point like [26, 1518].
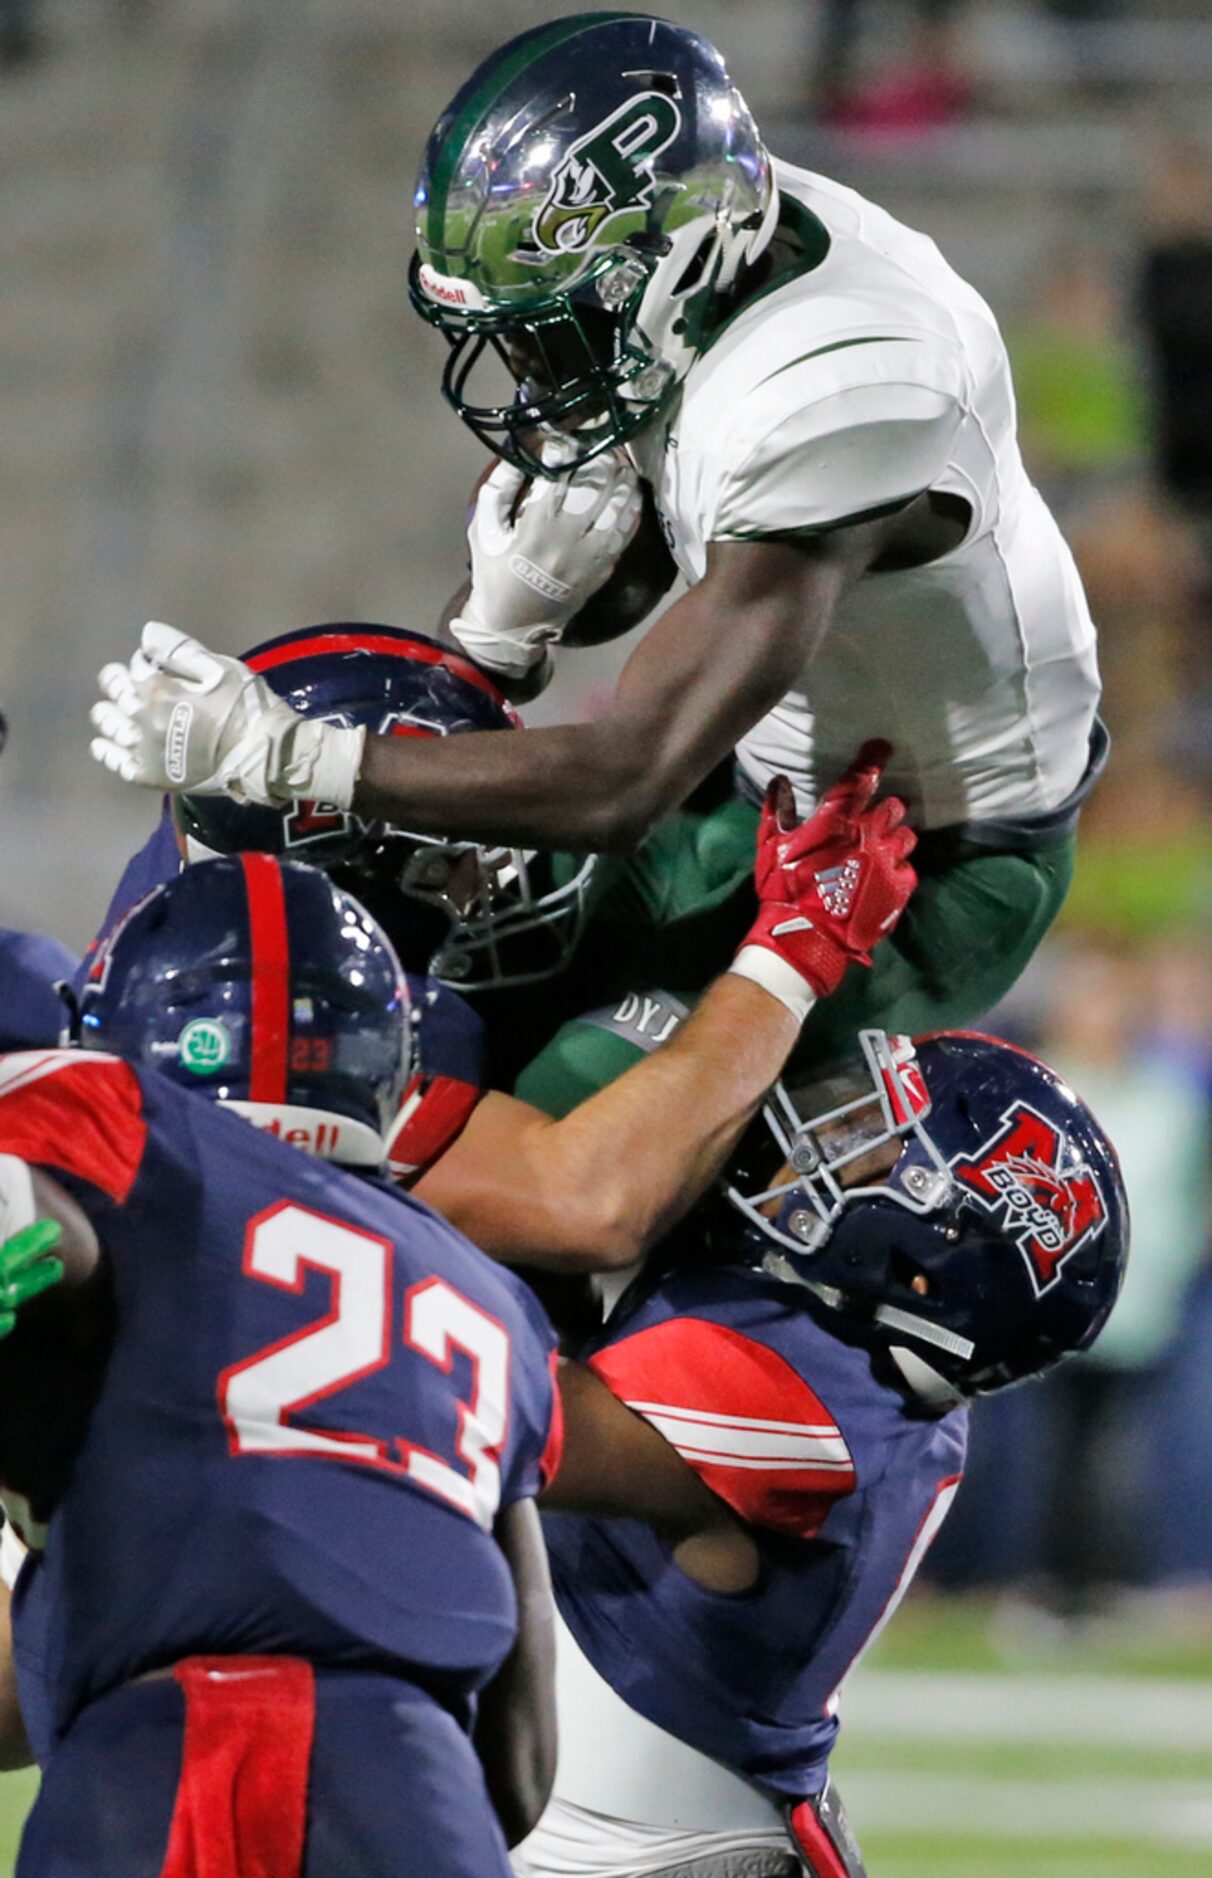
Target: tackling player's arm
[593, 1190]
[14, 1743]
[597, 1187]
[515, 1732]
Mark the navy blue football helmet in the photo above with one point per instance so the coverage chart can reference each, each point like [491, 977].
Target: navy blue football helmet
[262, 986]
[477, 918]
[957, 1198]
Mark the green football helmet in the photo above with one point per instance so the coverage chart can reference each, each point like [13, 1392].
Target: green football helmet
[586, 202]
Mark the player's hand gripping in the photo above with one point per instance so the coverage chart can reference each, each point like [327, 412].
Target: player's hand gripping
[831, 887]
[180, 717]
[27, 1268]
[538, 554]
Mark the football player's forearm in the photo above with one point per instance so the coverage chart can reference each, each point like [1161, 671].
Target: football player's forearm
[591, 1191]
[14, 1744]
[650, 1143]
[515, 1732]
[578, 786]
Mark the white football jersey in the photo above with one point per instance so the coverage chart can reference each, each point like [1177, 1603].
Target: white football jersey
[852, 384]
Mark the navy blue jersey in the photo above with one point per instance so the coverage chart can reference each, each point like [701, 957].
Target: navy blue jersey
[317, 1396]
[31, 1011]
[842, 1484]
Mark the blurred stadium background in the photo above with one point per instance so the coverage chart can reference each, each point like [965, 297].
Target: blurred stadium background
[217, 408]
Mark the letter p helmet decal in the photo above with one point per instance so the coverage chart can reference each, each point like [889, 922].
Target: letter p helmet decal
[606, 172]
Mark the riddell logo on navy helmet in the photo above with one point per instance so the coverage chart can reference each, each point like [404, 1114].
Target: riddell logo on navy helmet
[1051, 1208]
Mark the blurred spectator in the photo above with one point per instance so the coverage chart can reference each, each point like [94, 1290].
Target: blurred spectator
[1077, 377]
[1104, 1500]
[1175, 302]
[921, 89]
[18, 33]
[1071, 1487]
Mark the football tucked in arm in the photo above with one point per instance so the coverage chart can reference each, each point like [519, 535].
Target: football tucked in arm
[643, 575]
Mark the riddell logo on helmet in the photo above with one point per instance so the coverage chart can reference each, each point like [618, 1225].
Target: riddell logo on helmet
[606, 172]
[449, 291]
[323, 1139]
[1019, 1173]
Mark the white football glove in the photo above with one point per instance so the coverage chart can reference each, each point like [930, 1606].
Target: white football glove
[181, 718]
[531, 574]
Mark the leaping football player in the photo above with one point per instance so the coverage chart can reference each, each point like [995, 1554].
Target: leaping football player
[822, 413]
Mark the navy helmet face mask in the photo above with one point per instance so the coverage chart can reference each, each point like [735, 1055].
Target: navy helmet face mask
[586, 202]
[477, 918]
[956, 1197]
[262, 987]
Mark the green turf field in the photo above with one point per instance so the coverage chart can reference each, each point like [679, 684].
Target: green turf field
[970, 1750]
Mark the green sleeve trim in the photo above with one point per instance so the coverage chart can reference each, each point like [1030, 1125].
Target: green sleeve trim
[838, 345]
[820, 528]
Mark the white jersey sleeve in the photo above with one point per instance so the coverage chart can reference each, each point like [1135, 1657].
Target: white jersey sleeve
[839, 460]
[830, 421]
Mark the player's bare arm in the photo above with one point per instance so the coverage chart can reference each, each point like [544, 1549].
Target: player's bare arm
[722, 656]
[593, 1190]
[515, 1732]
[14, 1743]
[615, 1464]
[182, 718]
[597, 1187]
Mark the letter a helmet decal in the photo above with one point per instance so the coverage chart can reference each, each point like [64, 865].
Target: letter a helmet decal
[1051, 1207]
[605, 172]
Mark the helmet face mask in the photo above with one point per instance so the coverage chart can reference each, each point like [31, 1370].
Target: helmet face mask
[584, 201]
[958, 1200]
[826, 1151]
[483, 919]
[551, 389]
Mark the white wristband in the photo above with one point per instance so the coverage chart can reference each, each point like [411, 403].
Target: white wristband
[513, 657]
[332, 764]
[765, 968]
[17, 1205]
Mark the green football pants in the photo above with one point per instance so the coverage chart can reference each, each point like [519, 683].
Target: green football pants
[669, 919]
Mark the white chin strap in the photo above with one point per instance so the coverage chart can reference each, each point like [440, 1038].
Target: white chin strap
[329, 1137]
[924, 1380]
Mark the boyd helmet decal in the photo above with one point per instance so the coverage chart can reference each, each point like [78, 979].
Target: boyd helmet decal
[605, 172]
[1020, 1173]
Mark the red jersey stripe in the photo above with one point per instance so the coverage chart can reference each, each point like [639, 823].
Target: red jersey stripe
[739, 1414]
[270, 977]
[76, 1110]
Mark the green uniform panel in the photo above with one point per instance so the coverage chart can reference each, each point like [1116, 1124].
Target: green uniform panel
[673, 914]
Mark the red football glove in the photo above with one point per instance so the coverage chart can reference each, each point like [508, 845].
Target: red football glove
[831, 887]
